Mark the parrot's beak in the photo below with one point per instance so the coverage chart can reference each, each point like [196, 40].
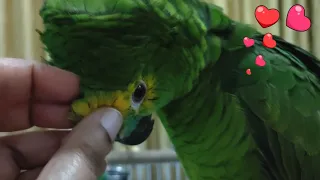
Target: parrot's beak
[140, 133]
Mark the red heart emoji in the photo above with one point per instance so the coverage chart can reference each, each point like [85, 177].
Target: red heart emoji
[268, 41]
[266, 17]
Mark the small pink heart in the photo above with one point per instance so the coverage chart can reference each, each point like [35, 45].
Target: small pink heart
[260, 61]
[248, 42]
[296, 19]
[248, 71]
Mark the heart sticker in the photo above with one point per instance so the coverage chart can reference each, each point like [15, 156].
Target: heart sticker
[268, 41]
[297, 20]
[260, 61]
[248, 42]
[248, 72]
[266, 17]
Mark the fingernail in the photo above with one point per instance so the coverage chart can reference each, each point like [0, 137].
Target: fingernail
[111, 121]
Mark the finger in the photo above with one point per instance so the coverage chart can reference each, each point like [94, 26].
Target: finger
[51, 116]
[15, 80]
[20, 80]
[85, 148]
[16, 117]
[8, 167]
[30, 150]
[30, 174]
[15, 93]
[54, 85]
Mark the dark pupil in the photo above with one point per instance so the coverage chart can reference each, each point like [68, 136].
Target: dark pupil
[139, 93]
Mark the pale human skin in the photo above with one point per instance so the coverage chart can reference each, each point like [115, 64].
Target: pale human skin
[34, 94]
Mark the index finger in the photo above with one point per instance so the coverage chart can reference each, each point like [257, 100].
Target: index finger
[51, 84]
[26, 86]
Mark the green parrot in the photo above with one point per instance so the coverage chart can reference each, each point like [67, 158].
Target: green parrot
[185, 61]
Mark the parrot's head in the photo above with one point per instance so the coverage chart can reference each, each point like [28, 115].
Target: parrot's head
[133, 55]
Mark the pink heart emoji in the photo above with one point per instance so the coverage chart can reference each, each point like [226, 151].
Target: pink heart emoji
[296, 19]
[248, 42]
[260, 61]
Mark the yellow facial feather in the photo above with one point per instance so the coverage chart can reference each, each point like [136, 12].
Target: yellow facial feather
[120, 100]
[81, 107]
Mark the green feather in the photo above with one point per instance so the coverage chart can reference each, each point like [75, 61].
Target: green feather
[80, 36]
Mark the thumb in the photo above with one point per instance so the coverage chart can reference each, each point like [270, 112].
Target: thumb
[82, 155]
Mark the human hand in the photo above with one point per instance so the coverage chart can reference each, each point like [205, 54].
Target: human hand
[34, 94]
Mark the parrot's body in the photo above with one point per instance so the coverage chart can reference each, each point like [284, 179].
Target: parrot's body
[187, 61]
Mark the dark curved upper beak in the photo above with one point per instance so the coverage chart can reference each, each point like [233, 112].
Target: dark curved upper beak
[140, 133]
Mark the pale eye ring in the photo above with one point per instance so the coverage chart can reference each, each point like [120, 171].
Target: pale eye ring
[139, 94]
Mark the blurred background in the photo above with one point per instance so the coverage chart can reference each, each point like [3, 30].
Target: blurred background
[154, 159]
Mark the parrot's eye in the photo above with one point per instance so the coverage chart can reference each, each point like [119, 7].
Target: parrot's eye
[139, 93]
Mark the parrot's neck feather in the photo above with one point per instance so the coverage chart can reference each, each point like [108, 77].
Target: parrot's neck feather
[209, 131]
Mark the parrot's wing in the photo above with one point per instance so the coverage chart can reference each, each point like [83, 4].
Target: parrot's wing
[285, 93]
